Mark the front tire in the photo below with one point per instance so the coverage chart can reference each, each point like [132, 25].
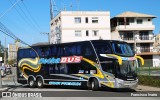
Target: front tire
[39, 83]
[31, 82]
[94, 85]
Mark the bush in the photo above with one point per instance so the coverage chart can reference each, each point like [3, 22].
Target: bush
[149, 80]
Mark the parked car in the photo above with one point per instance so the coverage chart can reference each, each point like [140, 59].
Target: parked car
[3, 71]
[8, 70]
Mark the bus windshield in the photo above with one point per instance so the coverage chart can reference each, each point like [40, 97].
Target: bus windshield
[122, 49]
[127, 68]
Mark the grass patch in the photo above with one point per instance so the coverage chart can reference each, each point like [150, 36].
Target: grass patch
[149, 80]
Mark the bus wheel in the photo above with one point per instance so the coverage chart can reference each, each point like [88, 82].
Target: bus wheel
[39, 83]
[94, 85]
[31, 82]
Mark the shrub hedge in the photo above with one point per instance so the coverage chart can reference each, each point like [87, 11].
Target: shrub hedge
[149, 80]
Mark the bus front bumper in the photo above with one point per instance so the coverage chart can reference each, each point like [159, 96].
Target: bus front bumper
[126, 84]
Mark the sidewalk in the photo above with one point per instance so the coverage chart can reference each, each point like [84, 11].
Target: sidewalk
[147, 88]
[4, 89]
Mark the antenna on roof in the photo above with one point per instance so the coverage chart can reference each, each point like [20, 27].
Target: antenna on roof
[71, 6]
[53, 9]
[78, 4]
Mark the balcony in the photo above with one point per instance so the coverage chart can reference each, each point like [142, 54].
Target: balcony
[147, 51]
[145, 39]
[140, 39]
[133, 26]
[128, 39]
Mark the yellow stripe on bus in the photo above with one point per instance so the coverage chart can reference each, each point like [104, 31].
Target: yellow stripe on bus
[118, 57]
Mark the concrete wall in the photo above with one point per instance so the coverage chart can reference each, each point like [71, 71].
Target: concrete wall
[156, 60]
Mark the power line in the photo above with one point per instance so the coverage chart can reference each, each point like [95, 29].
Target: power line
[35, 28]
[10, 8]
[31, 26]
[31, 16]
[7, 32]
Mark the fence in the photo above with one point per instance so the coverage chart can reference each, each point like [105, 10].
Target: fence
[150, 68]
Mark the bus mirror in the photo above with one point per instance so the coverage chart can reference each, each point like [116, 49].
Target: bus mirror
[141, 59]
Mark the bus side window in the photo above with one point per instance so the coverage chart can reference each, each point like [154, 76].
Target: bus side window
[60, 51]
[108, 67]
[73, 68]
[67, 51]
[54, 51]
[20, 54]
[51, 69]
[73, 50]
[56, 68]
[32, 53]
[88, 51]
[79, 50]
[26, 53]
[87, 68]
[63, 69]
[45, 52]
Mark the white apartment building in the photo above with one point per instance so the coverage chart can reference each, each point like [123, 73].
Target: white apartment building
[70, 26]
[136, 29]
[12, 51]
[157, 41]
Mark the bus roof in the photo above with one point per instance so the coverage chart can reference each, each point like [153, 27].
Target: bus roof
[46, 44]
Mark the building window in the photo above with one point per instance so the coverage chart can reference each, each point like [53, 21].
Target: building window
[51, 24]
[139, 21]
[131, 20]
[94, 19]
[77, 19]
[78, 33]
[87, 33]
[86, 19]
[95, 33]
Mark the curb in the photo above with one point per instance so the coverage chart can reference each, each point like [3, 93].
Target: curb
[4, 89]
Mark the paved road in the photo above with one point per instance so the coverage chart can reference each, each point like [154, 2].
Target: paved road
[62, 92]
[75, 94]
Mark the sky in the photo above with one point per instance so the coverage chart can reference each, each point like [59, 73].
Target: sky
[29, 18]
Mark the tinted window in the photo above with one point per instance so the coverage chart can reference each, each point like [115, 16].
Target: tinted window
[58, 69]
[122, 49]
[44, 52]
[102, 47]
[108, 66]
[32, 53]
[20, 53]
[54, 51]
[26, 53]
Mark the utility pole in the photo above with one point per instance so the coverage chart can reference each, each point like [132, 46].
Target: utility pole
[51, 10]
[5, 53]
[48, 36]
